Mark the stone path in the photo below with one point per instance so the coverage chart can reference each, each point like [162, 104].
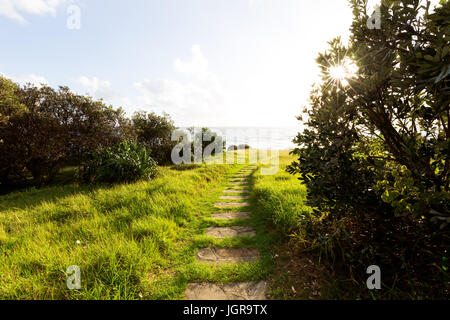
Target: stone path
[233, 197]
[228, 232]
[227, 255]
[230, 215]
[236, 190]
[231, 204]
[232, 291]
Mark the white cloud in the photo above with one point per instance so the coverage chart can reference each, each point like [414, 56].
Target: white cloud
[30, 78]
[94, 84]
[196, 100]
[197, 67]
[96, 87]
[14, 9]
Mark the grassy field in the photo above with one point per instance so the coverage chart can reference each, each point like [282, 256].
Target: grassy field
[135, 241]
[281, 200]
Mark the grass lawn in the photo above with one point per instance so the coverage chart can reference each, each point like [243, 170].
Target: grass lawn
[134, 241]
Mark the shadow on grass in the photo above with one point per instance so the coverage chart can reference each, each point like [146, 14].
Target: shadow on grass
[27, 196]
[185, 167]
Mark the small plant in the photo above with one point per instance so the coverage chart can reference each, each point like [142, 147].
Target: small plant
[125, 162]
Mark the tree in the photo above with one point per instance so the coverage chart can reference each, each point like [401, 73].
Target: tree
[402, 90]
[329, 148]
[376, 142]
[9, 102]
[53, 126]
[156, 133]
[206, 139]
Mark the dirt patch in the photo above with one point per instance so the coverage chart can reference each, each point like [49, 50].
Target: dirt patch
[297, 275]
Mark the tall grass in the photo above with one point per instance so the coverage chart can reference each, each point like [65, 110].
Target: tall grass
[283, 198]
[123, 238]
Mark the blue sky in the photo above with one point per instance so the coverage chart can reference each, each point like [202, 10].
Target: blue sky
[205, 62]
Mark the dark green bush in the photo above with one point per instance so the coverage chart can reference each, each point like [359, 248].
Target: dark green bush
[43, 129]
[374, 153]
[155, 132]
[125, 162]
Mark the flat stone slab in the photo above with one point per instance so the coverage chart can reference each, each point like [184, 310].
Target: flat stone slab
[255, 290]
[231, 204]
[235, 191]
[238, 182]
[231, 215]
[227, 255]
[233, 197]
[229, 232]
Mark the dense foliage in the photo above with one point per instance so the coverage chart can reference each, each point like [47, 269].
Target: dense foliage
[156, 133]
[45, 128]
[205, 143]
[124, 162]
[375, 151]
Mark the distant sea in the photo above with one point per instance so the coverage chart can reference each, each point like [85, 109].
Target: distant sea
[274, 138]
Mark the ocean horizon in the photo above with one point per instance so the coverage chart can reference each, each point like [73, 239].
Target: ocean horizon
[273, 138]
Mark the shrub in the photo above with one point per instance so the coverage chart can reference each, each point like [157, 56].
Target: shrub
[156, 133]
[125, 162]
[52, 127]
[374, 153]
[209, 142]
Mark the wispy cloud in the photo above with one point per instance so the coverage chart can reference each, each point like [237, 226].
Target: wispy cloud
[15, 9]
[96, 87]
[29, 78]
[196, 99]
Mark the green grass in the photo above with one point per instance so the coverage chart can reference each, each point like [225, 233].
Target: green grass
[131, 241]
[283, 197]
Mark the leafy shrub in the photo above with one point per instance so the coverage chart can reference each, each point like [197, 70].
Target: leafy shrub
[46, 127]
[125, 162]
[374, 153]
[208, 141]
[156, 133]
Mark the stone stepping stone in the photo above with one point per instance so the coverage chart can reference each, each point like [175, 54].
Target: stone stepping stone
[233, 197]
[239, 179]
[227, 255]
[238, 182]
[231, 215]
[255, 290]
[235, 191]
[231, 204]
[230, 232]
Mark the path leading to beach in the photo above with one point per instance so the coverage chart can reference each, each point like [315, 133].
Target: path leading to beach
[234, 202]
